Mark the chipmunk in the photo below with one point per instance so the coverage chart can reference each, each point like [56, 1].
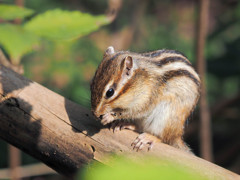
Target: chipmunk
[153, 93]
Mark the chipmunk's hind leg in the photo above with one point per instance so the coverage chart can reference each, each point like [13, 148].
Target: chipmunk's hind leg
[173, 134]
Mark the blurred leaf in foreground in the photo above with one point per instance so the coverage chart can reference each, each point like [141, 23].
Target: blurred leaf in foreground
[16, 41]
[64, 25]
[11, 12]
[147, 169]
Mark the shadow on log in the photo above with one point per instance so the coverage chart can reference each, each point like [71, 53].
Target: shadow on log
[65, 136]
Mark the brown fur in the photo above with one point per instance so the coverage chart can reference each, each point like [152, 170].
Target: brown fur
[158, 92]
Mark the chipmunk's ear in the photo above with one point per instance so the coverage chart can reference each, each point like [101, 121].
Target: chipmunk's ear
[128, 66]
[109, 51]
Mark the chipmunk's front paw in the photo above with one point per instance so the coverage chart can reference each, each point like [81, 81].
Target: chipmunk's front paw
[144, 139]
[121, 124]
[107, 118]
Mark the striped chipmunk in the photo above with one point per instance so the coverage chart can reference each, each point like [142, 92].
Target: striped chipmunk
[153, 93]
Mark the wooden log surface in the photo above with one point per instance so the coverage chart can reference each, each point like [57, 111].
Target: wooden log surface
[65, 135]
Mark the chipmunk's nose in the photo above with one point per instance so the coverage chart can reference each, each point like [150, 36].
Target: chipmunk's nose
[99, 115]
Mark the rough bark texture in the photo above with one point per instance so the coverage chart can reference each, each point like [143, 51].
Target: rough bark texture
[65, 136]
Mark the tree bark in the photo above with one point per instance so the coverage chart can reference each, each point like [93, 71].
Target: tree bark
[205, 118]
[65, 136]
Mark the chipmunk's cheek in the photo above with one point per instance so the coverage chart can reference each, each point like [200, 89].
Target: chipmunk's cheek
[107, 118]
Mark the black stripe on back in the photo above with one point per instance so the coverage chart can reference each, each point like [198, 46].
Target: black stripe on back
[160, 52]
[180, 72]
[171, 59]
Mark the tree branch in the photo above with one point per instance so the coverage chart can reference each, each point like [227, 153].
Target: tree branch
[28, 171]
[65, 136]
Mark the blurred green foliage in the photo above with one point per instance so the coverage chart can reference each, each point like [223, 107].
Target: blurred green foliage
[223, 63]
[148, 168]
[64, 68]
[11, 12]
[16, 41]
[56, 24]
[64, 25]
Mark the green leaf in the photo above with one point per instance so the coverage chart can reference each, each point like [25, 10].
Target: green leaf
[148, 168]
[16, 41]
[64, 25]
[11, 12]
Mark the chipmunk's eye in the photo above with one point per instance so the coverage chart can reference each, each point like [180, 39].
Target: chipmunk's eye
[110, 92]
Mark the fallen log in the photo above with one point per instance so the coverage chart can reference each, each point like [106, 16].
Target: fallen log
[65, 136]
